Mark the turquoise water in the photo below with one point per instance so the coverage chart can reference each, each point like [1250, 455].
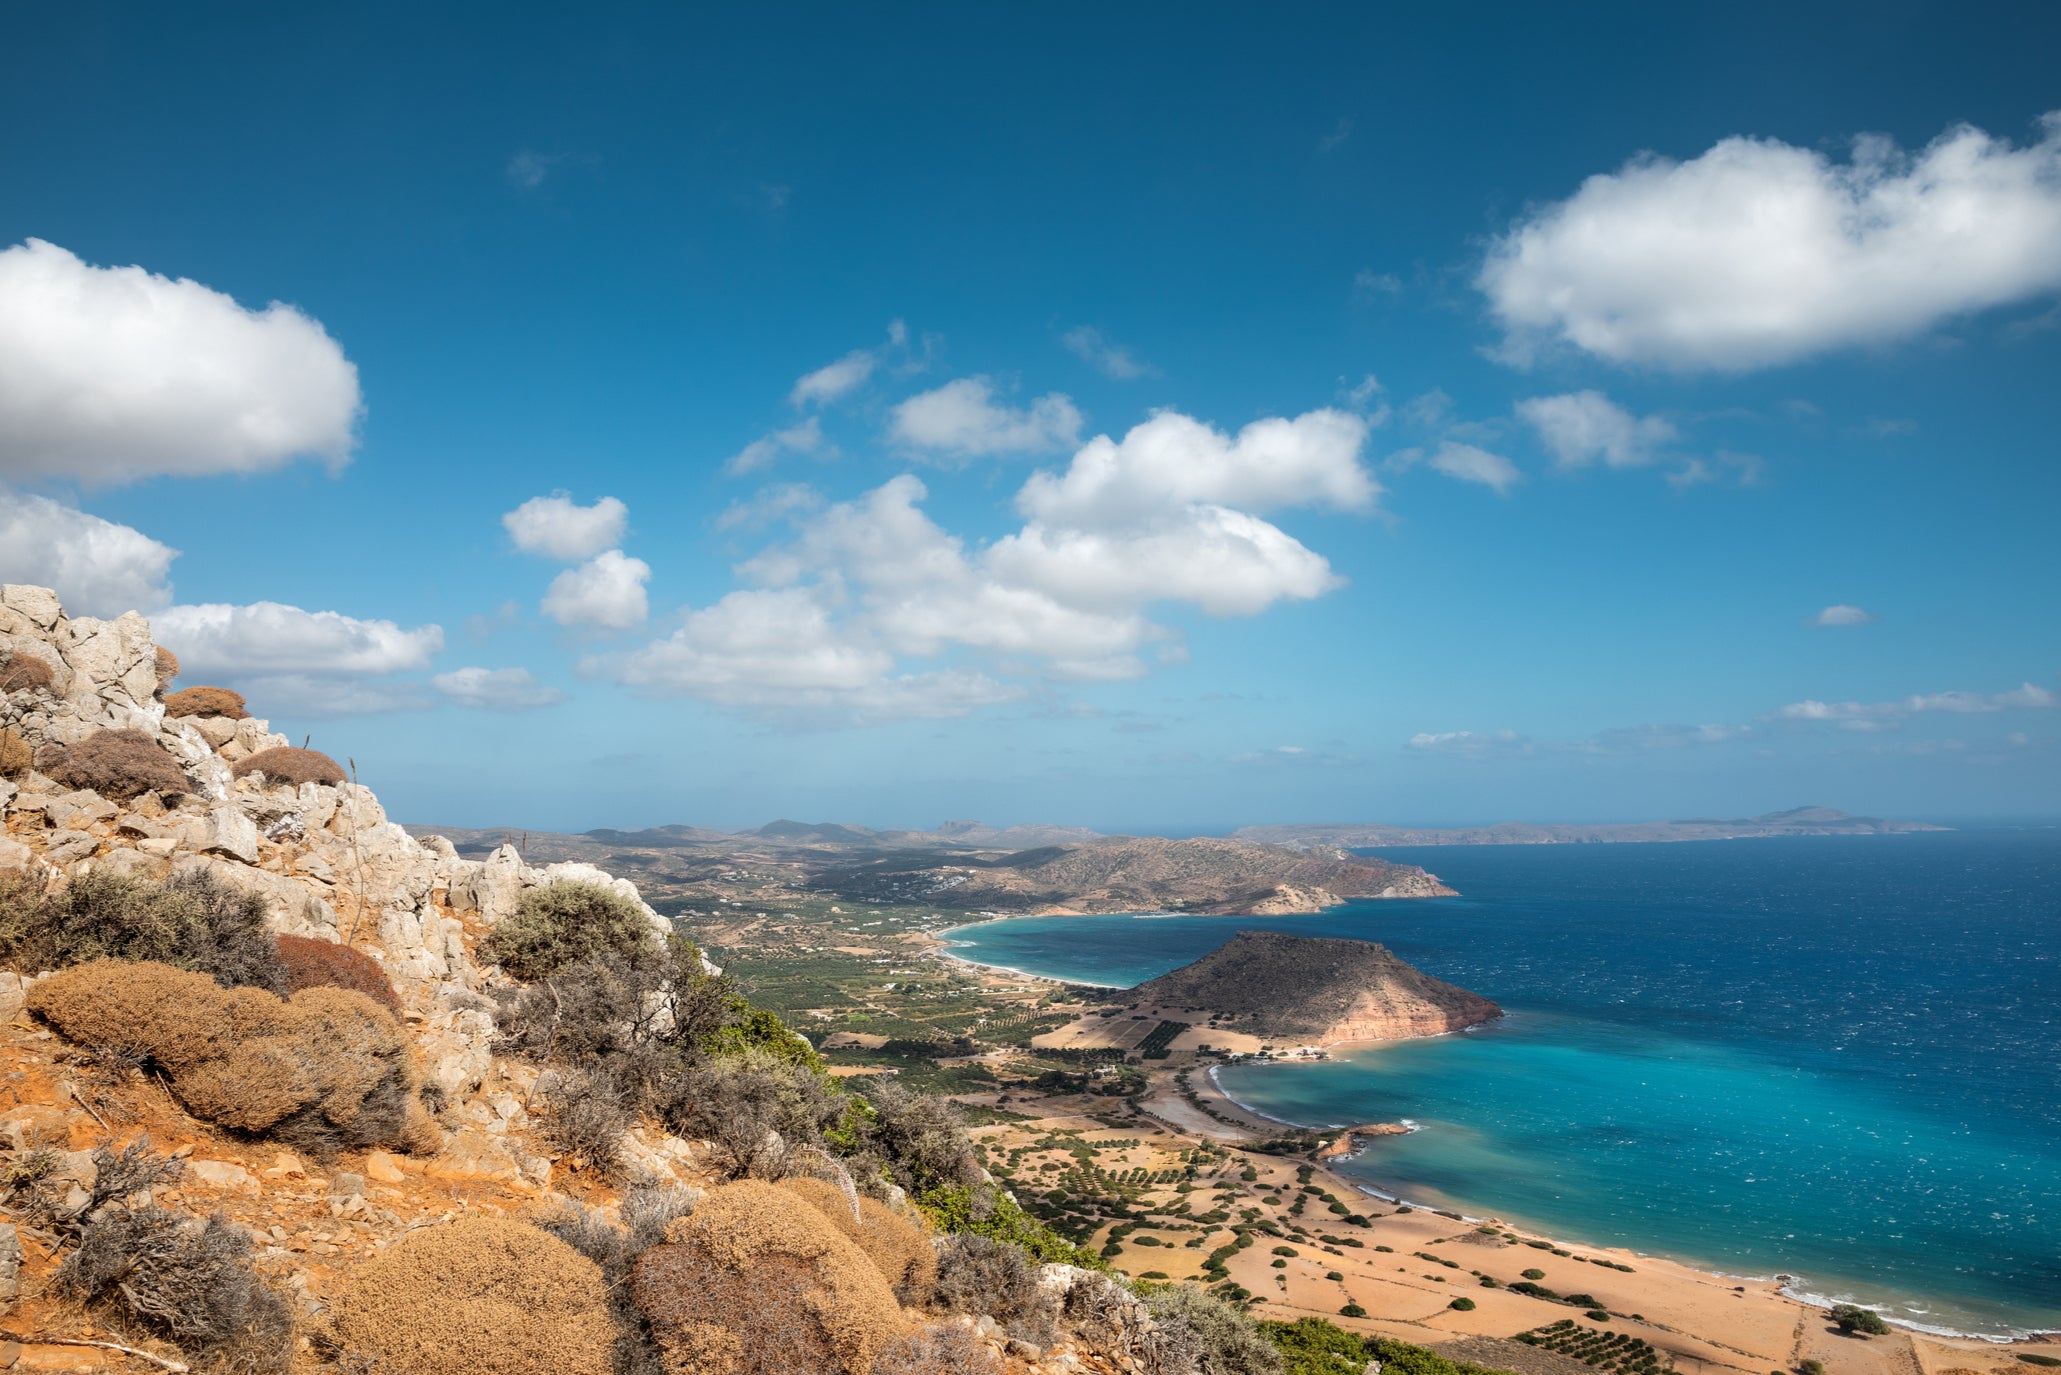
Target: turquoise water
[1833, 1059]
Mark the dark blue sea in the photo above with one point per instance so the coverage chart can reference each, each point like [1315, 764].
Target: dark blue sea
[1833, 1058]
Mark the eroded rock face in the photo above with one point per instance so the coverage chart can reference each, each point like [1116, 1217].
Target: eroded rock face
[326, 860]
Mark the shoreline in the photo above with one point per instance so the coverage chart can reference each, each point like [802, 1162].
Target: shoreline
[1784, 1285]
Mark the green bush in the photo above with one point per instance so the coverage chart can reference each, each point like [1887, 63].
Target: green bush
[1462, 1305]
[193, 922]
[2030, 1358]
[1810, 1366]
[1352, 1310]
[1855, 1320]
[565, 923]
[1534, 1274]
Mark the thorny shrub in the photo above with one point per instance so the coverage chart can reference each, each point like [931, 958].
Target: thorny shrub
[945, 1348]
[193, 921]
[917, 1140]
[584, 1120]
[203, 701]
[310, 962]
[117, 764]
[481, 1296]
[1225, 1340]
[290, 765]
[757, 1282]
[21, 672]
[756, 1110]
[167, 665]
[980, 1275]
[186, 1279]
[646, 1213]
[898, 1245]
[565, 922]
[325, 1070]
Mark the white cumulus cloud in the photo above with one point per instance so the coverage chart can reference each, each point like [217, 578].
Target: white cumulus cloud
[606, 592]
[1471, 464]
[872, 610]
[1173, 460]
[1842, 615]
[96, 567]
[1586, 427]
[963, 419]
[1758, 252]
[495, 689]
[272, 638]
[560, 528]
[111, 374]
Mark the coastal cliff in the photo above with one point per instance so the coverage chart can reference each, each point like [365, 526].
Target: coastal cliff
[1316, 990]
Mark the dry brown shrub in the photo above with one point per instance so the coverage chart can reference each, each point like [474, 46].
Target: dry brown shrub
[117, 764]
[290, 765]
[757, 1282]
[16, 758]
[167, 667]
[325, 1069]
[313, 963]
[483, 1296]
[898, 1246]
[21, 672]
[204, 701]
[945, 1348]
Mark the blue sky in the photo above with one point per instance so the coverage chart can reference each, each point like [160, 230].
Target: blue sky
[1167, 419]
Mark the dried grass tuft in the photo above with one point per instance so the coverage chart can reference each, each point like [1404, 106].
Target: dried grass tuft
[22, 672]
[16, 758]
[483, 1296]
[310, 962]
[324, 1070]
[202, 701]
[757, 1282]
[117, 764]
[291, 765]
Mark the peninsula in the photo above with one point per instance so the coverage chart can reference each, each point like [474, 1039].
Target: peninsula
[1796, 821]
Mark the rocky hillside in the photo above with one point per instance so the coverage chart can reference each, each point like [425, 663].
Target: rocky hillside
[291, 1089]
[1313, 990]
[1134, 874]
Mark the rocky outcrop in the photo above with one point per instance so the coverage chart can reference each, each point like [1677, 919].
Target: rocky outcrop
[1314, 990]
[327, 861]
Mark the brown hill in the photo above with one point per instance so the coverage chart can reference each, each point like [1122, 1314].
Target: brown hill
[1142, 874]
[1317, 990]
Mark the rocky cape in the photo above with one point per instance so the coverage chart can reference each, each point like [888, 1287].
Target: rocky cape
[1797, 821]
[1313, 990]
[1138, 874]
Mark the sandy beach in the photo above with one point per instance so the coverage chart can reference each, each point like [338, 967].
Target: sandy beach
[1407, 1264]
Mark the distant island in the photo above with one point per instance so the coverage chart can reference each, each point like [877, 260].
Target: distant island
[1266, 987]
[1797, 821]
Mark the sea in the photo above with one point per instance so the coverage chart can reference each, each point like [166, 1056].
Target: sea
[1828, 1058]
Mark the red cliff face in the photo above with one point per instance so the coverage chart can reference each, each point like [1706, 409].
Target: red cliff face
[1316, 990]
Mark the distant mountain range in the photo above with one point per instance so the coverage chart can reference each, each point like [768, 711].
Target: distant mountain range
[1797, 821]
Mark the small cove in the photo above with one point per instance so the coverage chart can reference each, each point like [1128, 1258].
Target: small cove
[1832, 1058]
